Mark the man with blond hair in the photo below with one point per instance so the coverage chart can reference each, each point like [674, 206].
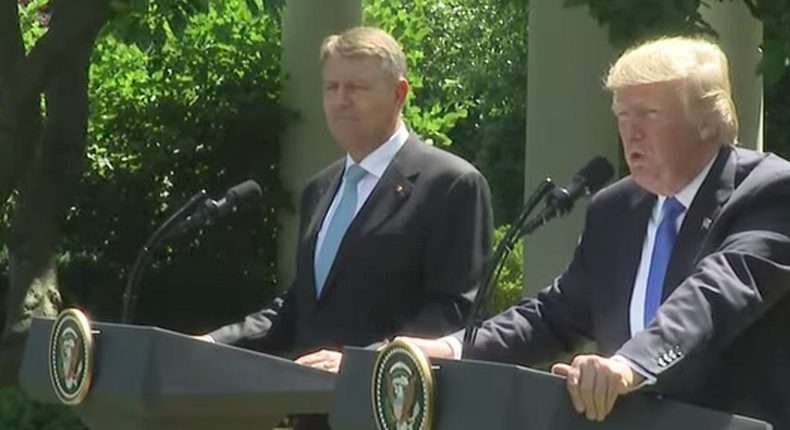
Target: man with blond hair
[392, 237]
[682, 273]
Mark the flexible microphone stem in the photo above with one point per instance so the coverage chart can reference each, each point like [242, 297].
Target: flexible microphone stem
[145, 253]
[497, 261]
[559, 201]
[537, 222]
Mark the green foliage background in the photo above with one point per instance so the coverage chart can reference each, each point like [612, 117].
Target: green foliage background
[186, 95]
[199, 111]
[468, 71]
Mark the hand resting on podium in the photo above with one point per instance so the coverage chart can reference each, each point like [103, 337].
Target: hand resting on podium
[324, 359]
[593, 382]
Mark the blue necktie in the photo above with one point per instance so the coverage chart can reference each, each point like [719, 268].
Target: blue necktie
[341, 219]
[662, 249]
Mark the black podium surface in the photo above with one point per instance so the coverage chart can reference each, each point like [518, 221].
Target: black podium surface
[147, 378]
[477, 395]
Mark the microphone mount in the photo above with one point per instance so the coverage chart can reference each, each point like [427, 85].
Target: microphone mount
[146, 252]
[496, 262]
[207, 212]
[558, 201]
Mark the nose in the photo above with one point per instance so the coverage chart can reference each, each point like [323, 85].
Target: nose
[336, 98]
[630, 130]
[343, 96]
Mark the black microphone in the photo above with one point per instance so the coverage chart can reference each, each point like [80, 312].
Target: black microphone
[208, 211]
[495, 262]
[559, 201]
[211, 210]
[591, 178]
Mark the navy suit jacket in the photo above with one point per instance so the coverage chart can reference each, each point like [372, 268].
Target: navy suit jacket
[721, 338]
[409, 263]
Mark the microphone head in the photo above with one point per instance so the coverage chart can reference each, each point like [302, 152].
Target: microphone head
[595, 174]
[247, 190]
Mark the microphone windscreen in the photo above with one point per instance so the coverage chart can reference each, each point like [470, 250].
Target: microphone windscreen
[596, 173]
[247, 190]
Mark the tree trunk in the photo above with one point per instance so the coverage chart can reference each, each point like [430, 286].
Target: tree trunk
[47, 187]
[18, 121]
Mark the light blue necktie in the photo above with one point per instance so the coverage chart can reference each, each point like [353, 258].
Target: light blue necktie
[341, 219]
[662, 249]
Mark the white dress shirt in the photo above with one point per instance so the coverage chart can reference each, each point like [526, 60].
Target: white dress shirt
[375, 164]
[686, 197]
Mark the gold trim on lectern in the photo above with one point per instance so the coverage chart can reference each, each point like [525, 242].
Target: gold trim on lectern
[70, 356]
[402, 388]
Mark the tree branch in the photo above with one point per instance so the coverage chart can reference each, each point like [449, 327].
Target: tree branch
[13, 142]
[50, 181]
[73, 23]
[42, 204]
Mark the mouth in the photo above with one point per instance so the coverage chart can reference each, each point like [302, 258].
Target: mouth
[635, 156]
[344, 118]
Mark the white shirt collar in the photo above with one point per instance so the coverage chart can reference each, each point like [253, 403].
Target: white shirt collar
[377, 161]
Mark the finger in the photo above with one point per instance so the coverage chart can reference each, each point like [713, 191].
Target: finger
[587, 373]
[611, 395]
[603, 380]
[309, 361]
[323, 365]
[561, 369]
[313, 358]
[572, 383]
[333, 363]
[306, 359]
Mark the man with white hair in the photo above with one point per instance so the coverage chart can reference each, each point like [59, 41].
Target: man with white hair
[682, 273]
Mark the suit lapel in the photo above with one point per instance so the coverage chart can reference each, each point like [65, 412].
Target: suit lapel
[630, 243]
[714, 192]
[391, 191]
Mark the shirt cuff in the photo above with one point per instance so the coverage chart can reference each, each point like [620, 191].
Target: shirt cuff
[455, 345]
[649, 379]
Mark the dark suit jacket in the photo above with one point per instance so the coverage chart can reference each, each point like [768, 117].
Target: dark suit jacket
[721, 338]
[409, 263]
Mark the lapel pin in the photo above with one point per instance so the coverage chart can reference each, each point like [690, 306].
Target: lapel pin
[399, 189]
[706, 223]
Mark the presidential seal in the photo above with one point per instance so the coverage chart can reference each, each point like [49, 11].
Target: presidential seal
[71, 356]
[402, 388]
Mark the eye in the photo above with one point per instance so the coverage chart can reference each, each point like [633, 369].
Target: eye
[620, 114]
[358, 86]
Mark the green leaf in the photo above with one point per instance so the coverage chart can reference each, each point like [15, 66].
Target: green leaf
[274, 7]
[253, 7]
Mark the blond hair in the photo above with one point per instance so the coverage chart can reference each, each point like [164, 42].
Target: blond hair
[367, 42]
[701, 66]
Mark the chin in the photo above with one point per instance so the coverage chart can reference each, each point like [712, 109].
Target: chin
[648, 184]
[345, 139]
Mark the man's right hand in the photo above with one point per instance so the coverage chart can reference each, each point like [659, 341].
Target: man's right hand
[437, 348]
